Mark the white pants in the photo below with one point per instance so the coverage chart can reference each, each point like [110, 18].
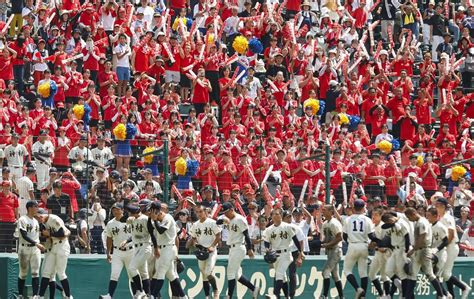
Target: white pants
[332, 263]
[56, 261]
[22, 206]
[436, 41]
[357, 253]
[165, 265]
[422, 260]
[281, 265]
[42, 175]
[206, 267]
[120, 259]
[16, 173]
[395, 264]
[29, 258]
[378, 265]
[426, 34]
[236, 256]
[452, 252]
[442, 256]
[139, 262]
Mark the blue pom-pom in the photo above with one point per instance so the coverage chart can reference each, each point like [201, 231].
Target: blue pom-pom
[322, 105]
[189, 23]
[192, 167]
[353, 122]
[87, 113]
[53, 88]
[255, 46]
[395, 144]
[131, 131]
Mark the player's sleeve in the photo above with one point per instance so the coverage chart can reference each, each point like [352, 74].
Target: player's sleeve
[215, 228]
[192, 231]
[21, 224]
[242, 223]
[108, 232]
[299, 233]
[266, 235]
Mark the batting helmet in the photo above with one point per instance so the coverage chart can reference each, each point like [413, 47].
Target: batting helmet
[270, 257]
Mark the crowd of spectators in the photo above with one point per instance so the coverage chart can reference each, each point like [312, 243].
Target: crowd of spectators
[247, 96]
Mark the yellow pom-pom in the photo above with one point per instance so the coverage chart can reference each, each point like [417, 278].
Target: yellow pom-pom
[240, 44]
[419, 161]
[148, 159]
[180, 166]
[457, 172]
[385, 146]
[313, 103]
[210, 38]
[44, 90]
[343, 119]
[78, 111]
[120, 132]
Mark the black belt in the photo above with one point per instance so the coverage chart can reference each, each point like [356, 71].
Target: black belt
[140, 244]
[235, 245]
[16, 166]
[124, 249]
[163, 246]
[28, 245]
[59, 242]
[282, 251]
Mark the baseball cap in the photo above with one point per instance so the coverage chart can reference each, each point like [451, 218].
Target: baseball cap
[297, 211]
[226, 207]
[115, 174]
[358, 203]
[42, 211]
[226, 192]
[235, 187]
[53, 170]
[30, 170]
[31, 203]
[117, 206]
[442, 200]
[155, 205]
[134, 209]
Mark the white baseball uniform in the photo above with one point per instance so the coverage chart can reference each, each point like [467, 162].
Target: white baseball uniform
[357, 227]
[422, 257]
[165, 265]
[29, 256]
[330, 230]
[102, 156]
[76, 151]
[237, 250]
[42, 168]
[397, 260]
[439, 231]
[452, 250]
[380, 258]
[141, 242]
[24, 185]
[56, 261]
[205, 233]
[280, 238]
[15, 156]
[119, 232]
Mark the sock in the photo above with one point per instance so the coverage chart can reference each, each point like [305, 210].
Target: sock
[277, 288]
[52, 289]
[364, 282]
[243, 280]
[386, 287]
[35, 285]
[156, 285]
[340, 290]
[146, 286]
[206, 287]
[326, 283]
[178, 288]
[65, 284]
[173, 290]
[378, 286]
[212, 281]
[437, 287]
[404, 287]
[112, 287]
[231, 287]
[44, 285]
[411, 284]
[450, 286]
[137, 282]
[458, 283]
[285, 289]
[132, 286]
[351, 279]
[58, 287]
[445, 293]
[21, 286]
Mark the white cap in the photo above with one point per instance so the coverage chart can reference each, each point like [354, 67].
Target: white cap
[461, 8]
[333, 83]
[383, 52]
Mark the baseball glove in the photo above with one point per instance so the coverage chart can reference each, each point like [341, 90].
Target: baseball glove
[202, 254]
[270, 257]
[180, 266]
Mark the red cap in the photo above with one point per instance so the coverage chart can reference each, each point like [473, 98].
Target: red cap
[62, 129]
[226, 192]
[235, 187]
[187, 193]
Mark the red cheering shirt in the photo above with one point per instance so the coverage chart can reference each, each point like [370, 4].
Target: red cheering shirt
[201, 93]
[177, 4]
[397, 106]
[8, 204]
[429, 181]
[373, 170]
[300, 176]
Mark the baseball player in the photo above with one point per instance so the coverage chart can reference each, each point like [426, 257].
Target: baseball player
[400, 241]
[141, 241]
[452, 249]
[381, 256]
[16, 155]
[238, 234]
[288, 218]
[205, 236]
[332, 230]
[357, 230]
[102, 154]
[421, 253]
[80, 153]
[439, 242]
[279, 237]
[25, 189]
[119, 251]
[43, 152]
[29, 249]
[56, 260]
[162, 228]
